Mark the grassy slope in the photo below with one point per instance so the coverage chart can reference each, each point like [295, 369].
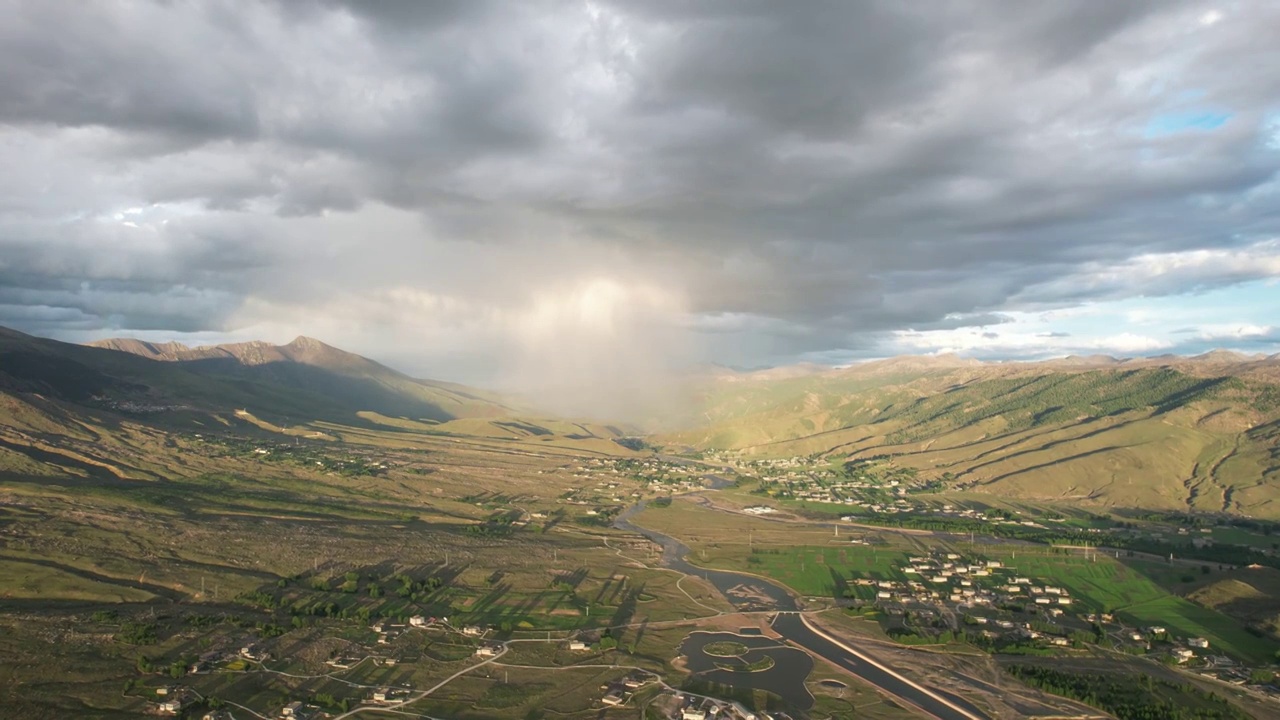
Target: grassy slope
[1151, 437]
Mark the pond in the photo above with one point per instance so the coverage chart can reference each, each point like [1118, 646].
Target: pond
[750, 662]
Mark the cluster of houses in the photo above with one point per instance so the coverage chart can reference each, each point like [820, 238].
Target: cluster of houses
[388, 695]
[887, 495]
[950, 584]
[620, 691]
[685, 706]
[298, 710]
[172, 700]
[949, 576]
[604, 494]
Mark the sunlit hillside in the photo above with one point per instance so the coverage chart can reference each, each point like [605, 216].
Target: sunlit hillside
[1169, 434]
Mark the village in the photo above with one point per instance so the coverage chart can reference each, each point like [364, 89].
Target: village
[991, 603]
[254, 656]
[387, 648]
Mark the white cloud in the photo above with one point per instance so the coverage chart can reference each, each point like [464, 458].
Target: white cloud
[1233, 332]
[1157, 274]
[1021, 343]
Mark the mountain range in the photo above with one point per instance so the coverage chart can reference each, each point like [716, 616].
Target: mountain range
[306, 379]
[1173, 433]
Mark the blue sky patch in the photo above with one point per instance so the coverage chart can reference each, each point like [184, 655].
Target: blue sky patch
[1191, 120]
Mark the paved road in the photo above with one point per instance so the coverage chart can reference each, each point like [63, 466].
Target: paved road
[792, 626]
[944, 706]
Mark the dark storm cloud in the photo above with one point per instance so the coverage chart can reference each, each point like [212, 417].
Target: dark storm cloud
[117, 66]
[807, 178]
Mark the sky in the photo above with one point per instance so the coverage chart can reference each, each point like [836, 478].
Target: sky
[565, 193]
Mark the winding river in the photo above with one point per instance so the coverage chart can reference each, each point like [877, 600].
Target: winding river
[751, 593]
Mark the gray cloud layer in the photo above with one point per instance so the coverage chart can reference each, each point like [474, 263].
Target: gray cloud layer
[789, 178]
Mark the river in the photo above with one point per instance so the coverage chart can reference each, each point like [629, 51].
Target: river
[751, 593]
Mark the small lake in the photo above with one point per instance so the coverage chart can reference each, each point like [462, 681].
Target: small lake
[784, 678]
[747, 592]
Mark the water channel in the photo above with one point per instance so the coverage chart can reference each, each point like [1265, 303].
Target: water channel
[750, 593]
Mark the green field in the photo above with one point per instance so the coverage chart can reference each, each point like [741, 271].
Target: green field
[1109, 585]
[1098, 583]
[817, 571]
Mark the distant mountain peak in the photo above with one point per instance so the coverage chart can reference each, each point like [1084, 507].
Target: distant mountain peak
[1223, 356]
[302, 349]
[154, 351]
[302, 342]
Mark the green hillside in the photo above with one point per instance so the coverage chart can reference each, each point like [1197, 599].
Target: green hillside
[1197, 434]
